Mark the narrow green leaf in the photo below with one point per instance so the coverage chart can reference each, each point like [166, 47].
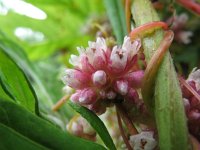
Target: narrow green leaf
[39, 130]
[116, 16]
[122, 16]
[15, 83]
[96, 123]
[18, 55]
[169, 109]
[33, 72]
[11, 140]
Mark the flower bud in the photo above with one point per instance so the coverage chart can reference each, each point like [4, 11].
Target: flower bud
[99, 78]
[135, 78]
[122, 87]
[131, 47]
[87, 96]
[75, 97]
[68, 90]
[118, 59]
[75, 78]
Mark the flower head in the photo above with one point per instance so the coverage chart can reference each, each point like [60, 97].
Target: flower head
[143, 141]
[102, 75]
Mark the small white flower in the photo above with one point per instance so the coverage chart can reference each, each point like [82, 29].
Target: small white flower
[195, 76]
[118, 59]
[143, 141]
[132, 48]
[185, 36]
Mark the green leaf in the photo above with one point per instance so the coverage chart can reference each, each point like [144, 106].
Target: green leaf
[96, 123]
[116, 16]
[169, 110]
[15, 83]
[33, 71]
[39, 130]
[18, 55]
[12, 140]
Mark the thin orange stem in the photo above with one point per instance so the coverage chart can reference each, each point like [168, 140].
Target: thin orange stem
[158, 5]
[147, 28]
[191, 5]
[60, 102]
[128, 15]
[131, 128]
[125, 139]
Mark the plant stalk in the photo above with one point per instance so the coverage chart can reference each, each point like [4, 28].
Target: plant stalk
[167, 103]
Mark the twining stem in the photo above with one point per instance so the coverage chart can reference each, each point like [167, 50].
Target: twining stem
[128, 15]
[190, 5]
[146, 29]
[60, 102]
[125, 139]
[167, 97]
[153, 65]
[131, 128]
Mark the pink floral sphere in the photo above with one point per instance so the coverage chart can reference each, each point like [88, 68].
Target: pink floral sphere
[102, 76]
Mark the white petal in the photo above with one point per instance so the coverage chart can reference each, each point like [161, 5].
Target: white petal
[131, 48]
[101, 44]
[143, 141]
[118, 59]
[81, 50]
[195, 76]
[74, 60]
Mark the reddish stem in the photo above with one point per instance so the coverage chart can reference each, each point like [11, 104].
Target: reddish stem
[128, 15]
[147, 28]
[191, 5]
[158, 5]
[125, 139]
[131, 128]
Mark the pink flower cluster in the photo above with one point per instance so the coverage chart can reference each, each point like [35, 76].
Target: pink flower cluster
[102, 76]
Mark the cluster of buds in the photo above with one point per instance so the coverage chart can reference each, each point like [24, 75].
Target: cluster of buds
[80, 127]
[192, 103]
[101, 76]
